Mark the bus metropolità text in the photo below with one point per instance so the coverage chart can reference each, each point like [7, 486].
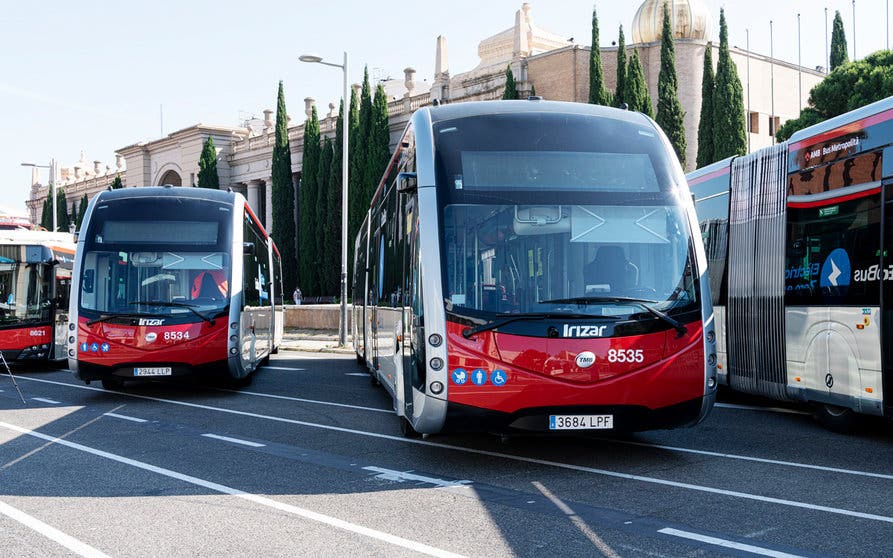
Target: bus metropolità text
[35, 278]
[799, 241]
[170, 282]
[534, 266]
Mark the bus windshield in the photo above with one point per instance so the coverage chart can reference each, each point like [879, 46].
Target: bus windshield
[24, 292]
[168, 260]
[546, 213]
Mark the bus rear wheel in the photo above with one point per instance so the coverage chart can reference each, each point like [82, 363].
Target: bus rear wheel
[836, 419]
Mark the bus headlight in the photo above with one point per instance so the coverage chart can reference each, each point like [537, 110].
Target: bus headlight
[71, 326]
[435, 339]
[711, 360]
[234, 351]
[436, 363]
[71, 353]
[234, 325]
[711, 337]
[711, 382]
[234, 338]
[72, 339]
[436, 388]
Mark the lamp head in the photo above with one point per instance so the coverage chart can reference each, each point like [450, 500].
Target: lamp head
[310, 58]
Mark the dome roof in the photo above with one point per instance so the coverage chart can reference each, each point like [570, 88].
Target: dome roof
[691, 20]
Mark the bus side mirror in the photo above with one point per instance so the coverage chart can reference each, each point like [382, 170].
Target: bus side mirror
[407, 182]
[248, 248]
[87, 283]
[798, 248]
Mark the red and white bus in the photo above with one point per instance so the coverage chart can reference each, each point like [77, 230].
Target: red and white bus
[35, 278]
[535, 266]
[171, 282]
[799, 238]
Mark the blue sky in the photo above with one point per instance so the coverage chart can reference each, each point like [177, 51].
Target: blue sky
[91, 75]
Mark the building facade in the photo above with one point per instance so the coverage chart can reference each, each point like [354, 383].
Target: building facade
[774, 91]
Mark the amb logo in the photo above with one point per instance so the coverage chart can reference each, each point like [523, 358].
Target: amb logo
[836, 271]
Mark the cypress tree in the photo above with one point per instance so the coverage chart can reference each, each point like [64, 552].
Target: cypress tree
[332, 234]
[669, 110]
[355, 213]
[73, 214]
[82, 210]
[532, 90]
[308, 240]
[46, 215]
[116, 183]
[705, 125]
[207, 165]
[598, 95]
[379, 144]
[838, 43]
[321, 216]
[62, 218]
[359, 139]
[283, 197]
[729, 132]
[511, 92]
[637, 94]
[620, 96]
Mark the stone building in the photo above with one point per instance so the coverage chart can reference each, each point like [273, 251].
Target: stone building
[558, 68]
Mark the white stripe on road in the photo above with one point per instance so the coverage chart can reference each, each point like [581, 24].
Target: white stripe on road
[125, 417]
[45, 400]
[69, 542]
[314, 401]
[727, 544]
[556, 464]
[282, 368]
[363, 374]
[234, 440]
[262, 500]
[403, 476]
[758, 408]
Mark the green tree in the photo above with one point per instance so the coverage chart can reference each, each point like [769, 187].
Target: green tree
[532, 90]
[355, 213]
[669, 110]
[705, 124]
[308, 241]
[207, 167]
[82, 210]
[637, 96]
[63, 220]
[283, 196]
[598, 95]
[620, 95]
[359, 138]
[378, 147]
[729, 131]
[46, 215]
[850, 86]
[332, 234]
[838, 43]
[511, 92]
[116, 183]
[73, 214]
[323, 258]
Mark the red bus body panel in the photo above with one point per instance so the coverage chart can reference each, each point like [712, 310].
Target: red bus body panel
[25, 336]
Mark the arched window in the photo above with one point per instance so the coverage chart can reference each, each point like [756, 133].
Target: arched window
[171, 177]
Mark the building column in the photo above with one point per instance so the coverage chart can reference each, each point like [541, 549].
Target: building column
[253, 195]
[268, 218]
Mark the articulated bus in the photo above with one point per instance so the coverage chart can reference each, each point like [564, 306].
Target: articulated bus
[799, 241]
[35, 278]
[170, 282]
[535, 266]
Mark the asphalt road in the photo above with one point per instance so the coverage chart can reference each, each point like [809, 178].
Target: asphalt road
[309, 461]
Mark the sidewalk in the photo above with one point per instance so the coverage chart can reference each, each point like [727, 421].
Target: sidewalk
[314, 341]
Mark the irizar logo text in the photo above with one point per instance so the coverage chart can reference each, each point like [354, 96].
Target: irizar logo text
[583, 330]
[150, 322]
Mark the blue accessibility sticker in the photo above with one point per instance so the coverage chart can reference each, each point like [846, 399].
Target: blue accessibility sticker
[94, 347]
[460, 376]
[498, 378]
[105, 347]
[85, 347]
[479, 377]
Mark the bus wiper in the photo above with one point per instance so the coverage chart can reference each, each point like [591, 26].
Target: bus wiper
[185, 305]
[495, 324]
[640, 302]
[105, 317]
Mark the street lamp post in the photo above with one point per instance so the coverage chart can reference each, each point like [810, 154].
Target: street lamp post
[342, 334]
[52, 184]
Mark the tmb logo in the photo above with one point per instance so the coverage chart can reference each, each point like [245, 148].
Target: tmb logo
[583, 330]
[150, 322]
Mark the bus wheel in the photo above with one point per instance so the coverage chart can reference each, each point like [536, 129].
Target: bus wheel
[836, 419]
[242, 382]
[407, 430]
[112, 384]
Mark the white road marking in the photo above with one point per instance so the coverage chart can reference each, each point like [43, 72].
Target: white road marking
[314, 401]
[758, 459]
[362, 374]
[125, 417]
[587, 531]
[234, 440]
[45, 400]
[519, 458]
[403, 476]
[414, 546]
[69, 542]
[727, 544]
[758, 408]
[283, 368]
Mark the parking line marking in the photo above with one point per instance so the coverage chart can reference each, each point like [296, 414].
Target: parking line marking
[282, 368]
[69, 542]
[234, 440]
[758, 408]
[727, 544]
[474, 451]
[314, 401]
[257, 499]
[45, 400]
[125, 417]
[403, 476]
